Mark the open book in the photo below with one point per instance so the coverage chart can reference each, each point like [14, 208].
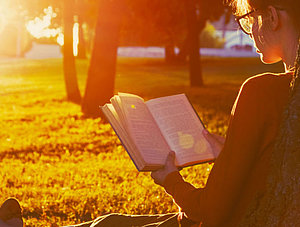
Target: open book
[150, 130]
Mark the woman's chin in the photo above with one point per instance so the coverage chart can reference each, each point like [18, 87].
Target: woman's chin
[267, 60]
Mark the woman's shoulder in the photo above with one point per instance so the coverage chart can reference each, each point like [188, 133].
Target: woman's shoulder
[268, 81]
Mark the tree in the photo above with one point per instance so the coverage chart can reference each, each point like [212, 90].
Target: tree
[171, 23]
[102, 69]
[194, 27]
[279, 205]
[73, 93]
[198, 12]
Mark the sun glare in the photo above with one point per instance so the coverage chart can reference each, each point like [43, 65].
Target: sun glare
[75, 38]
[39, 28]
[243, 7]
[1, 22]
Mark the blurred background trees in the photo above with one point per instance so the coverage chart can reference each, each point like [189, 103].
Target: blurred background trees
[165, 23]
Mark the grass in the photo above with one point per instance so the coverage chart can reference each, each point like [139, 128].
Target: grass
[66, 169]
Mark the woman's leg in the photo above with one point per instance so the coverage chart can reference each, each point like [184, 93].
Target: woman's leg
[121, 220]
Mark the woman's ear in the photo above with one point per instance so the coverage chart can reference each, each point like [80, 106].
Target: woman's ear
[273, 17]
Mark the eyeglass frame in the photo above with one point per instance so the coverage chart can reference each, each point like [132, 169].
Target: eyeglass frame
[238, 18]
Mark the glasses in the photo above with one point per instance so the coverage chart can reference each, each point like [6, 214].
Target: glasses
[246, 21]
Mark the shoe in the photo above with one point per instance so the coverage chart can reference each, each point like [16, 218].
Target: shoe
[10, 211]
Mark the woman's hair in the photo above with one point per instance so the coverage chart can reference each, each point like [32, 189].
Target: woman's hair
[279, 204]
[240, 7]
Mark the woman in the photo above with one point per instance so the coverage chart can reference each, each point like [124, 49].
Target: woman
[240, 172]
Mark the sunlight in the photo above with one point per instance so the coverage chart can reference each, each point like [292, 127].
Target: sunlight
[242, 7]
[39, 28]
[1, 22]
[4, 13]
[75, 38]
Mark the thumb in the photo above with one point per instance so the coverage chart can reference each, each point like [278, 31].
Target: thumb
[210, 137]
[206, 134]
[171, 157]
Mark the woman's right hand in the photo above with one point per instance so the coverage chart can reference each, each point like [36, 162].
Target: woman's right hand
[216, 141]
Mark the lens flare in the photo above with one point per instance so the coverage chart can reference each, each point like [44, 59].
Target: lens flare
[40, 28]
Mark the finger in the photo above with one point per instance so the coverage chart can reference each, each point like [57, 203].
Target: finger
[207, 135]
[155, 176]
[170, 158]
[171, 155]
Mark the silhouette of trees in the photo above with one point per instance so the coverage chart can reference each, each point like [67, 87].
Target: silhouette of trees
[101, 74]
[73, 93]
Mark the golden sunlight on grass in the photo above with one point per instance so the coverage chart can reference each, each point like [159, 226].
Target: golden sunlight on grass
[65, 168]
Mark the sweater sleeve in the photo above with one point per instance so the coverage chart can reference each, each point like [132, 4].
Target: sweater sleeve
[213, 204]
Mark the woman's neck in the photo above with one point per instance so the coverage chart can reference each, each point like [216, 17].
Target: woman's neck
[289, 49]
[289, 54]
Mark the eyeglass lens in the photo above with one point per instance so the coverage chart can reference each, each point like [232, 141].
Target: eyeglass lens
[247, 23]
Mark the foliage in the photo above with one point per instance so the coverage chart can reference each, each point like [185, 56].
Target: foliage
[66, 169]
[209, 39]
[153, 23]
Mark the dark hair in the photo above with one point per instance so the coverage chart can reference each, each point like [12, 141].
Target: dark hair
[243, 6]
[279, 204]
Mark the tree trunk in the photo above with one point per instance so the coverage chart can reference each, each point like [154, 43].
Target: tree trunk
[170, 55]
[73, 93]
[193, 44]
[280, 204]
[101, 74]
[81, 41]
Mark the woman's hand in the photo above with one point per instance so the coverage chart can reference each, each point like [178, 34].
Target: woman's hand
[216, 141]
[160, 175]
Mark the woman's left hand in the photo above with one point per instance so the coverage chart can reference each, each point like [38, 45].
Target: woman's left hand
[160, 175]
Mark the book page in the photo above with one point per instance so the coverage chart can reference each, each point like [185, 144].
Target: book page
[124, 137]
[116, 102]
[181, 127]
[144, 130]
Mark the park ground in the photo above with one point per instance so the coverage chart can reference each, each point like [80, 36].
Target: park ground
[65, 168]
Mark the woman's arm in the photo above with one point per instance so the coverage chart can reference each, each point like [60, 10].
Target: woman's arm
[213, 204]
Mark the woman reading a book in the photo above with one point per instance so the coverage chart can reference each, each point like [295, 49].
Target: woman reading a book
[241, 170]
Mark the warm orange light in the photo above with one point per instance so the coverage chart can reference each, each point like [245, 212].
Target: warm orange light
[60, 38]
[242, 7]
[39, 28]
[75, 38]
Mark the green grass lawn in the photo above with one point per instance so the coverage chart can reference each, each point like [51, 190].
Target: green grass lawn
[65, 168]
